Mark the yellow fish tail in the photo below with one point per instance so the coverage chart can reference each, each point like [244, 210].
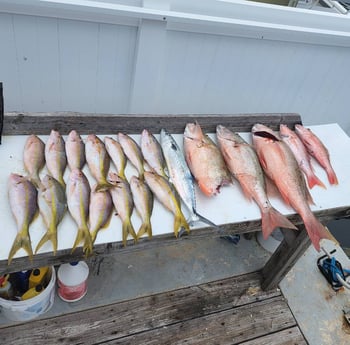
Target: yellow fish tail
[22, 240]
[128, 229]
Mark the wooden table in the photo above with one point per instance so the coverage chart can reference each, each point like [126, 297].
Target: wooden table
[290, 249]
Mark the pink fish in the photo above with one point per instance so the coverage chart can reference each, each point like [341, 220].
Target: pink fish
[280, 166]
[316, 149]
[301, 155]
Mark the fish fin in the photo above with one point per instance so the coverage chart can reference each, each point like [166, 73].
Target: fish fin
[332, 177]
[317, 231]
[22, 240]
[146, 227]
[196, 217]
[103, 186]
[48, 236]
[273, 219]
[127, 229]
[180, 224]
[313, 180]
[271, 188]
[309, 198]
[207, 191]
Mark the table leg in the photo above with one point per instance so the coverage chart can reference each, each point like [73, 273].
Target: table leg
[283, 259]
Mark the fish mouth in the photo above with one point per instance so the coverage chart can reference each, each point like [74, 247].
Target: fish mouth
[266, 135]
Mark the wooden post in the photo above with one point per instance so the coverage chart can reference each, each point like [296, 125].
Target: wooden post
[282, 260]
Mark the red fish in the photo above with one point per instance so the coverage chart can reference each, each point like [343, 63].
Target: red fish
[280, 166]
[243, 163]
[301, 155]
[316, 149]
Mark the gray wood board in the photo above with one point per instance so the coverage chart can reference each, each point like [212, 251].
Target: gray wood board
[42, 123]
[290, 336]
[227, 311]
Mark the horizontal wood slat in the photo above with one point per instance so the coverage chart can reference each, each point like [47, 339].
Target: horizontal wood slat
[42, 123]
[290, 336]
[234, 297]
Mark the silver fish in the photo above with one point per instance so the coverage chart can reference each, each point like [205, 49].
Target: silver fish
[117, 155]
[55, 156]
[181, 177]
[78, 199]
[23, 203]
[123, 203]
[164, 192]
[132, 151]
[34, 158]
[52, 205]
[152, 152]
[98, 161]
[100, 211]
[143, 200]
[75, 150]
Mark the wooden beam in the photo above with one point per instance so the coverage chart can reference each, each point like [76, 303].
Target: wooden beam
[42, 123]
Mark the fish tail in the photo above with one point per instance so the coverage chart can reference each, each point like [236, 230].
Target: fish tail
[121, 173]
[313, 180]
[22, 240]
[83, 235]
[102, 186]
[88, 245]
[273, 219]
[180, 224]
[332, 177]
[145, 228]
[93, 235]
[48, 236]
[61, 181]
[127, 229]
[35, 179]
[317, 231]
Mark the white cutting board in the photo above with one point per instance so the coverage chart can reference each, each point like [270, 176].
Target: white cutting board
[230, 206]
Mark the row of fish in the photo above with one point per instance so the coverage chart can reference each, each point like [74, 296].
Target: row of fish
[280, 156]
[91, 208]
[169, 175]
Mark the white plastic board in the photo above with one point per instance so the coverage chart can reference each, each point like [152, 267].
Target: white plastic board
[230, 206]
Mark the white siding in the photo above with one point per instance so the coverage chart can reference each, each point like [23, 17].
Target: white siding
[50, 64]
[161, 66]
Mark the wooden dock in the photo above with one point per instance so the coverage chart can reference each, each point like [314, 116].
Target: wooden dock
[229, 311]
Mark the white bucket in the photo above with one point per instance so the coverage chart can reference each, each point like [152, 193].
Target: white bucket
[32, 307]
[72, 281]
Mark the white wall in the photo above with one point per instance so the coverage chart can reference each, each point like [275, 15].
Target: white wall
[159, 62]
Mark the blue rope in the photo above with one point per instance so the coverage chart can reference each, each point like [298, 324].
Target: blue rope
[334, 267]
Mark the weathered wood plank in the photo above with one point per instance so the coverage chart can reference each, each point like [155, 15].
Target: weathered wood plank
[226, 327]
[283, 259]
[290, 336]
[42, 123]
[143, 314]
[106, 249]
